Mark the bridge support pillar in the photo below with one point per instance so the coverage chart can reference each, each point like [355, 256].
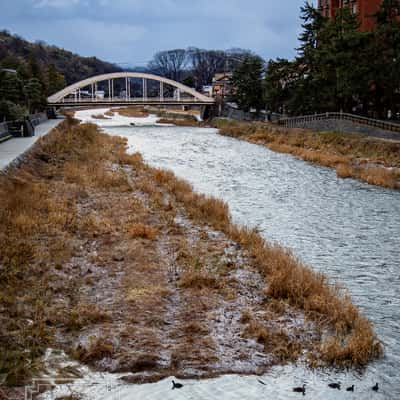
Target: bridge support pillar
[51, 113]
[144, 88]
[207, 112]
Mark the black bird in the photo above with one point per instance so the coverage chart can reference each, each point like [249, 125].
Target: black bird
[334, 385]
[176, 385]
[376, 387]
[300, 389]
[350, 388]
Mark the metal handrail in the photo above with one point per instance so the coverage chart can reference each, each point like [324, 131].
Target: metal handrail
[38, 118]
[133, 99]
[3, 128]
[288, 122]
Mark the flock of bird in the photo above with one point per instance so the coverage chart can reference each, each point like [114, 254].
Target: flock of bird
[299, 389]
[335, 385]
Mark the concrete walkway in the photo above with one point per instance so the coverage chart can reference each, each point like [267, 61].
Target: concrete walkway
[13, 148]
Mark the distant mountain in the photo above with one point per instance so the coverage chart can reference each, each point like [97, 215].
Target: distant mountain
[14, 50]
[132, 67]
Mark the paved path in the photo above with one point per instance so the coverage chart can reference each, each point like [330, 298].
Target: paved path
[13, 148]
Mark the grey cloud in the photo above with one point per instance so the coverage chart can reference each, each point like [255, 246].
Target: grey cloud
[132, 30]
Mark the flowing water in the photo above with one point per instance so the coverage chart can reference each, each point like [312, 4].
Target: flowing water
[347, 229]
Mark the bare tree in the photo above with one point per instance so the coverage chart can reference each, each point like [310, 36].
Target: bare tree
[206, 63]
[170, 63]
[199, 65]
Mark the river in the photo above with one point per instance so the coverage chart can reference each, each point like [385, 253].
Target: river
[345, 228]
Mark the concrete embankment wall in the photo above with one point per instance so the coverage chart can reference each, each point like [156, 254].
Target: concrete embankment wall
[240, 115]
[344, 126]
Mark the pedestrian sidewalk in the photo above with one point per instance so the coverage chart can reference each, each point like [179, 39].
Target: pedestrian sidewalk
[15, 147]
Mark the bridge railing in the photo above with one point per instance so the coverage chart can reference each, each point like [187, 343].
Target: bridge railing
[358, 119]
[132, 100]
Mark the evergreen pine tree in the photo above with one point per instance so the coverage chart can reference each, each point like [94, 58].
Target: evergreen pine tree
[11, 88]
[55, 80]
[35, 95]
[248, 82]
[386, 56]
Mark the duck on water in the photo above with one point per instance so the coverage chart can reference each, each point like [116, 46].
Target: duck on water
[176, 385]
[300, 389]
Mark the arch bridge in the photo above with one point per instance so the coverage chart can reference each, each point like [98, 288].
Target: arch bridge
[136, 88]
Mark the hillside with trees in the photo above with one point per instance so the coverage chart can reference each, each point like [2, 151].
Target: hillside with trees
[15, 51]
[40, 70]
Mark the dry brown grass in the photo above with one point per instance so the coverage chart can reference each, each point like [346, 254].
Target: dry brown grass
[178, 122]
[39, 229]
[99, 116]
[177, 115]
[344, 170]
[84, 315]
[132, 111]
[357, 349]
[364, 158]
[287, 278]
[198, 280]
[275, 341]
[198, 206]
[380, 176]
[257, 331]
[97, 349]
[79, 187]
[246, 316]
[140, 230]
[290, 280]
[136, 294]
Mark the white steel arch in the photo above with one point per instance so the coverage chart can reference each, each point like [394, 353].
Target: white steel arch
[72, 89]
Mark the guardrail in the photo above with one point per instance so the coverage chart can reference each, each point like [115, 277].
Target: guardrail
[3, 129]
[38, 118]
[295, 121]
[21, 128]
[139, 100]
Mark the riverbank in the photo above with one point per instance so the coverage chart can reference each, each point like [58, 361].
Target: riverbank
[128, 270]
[372, 160]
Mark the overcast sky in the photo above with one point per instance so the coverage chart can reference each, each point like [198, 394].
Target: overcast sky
[131, 31]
